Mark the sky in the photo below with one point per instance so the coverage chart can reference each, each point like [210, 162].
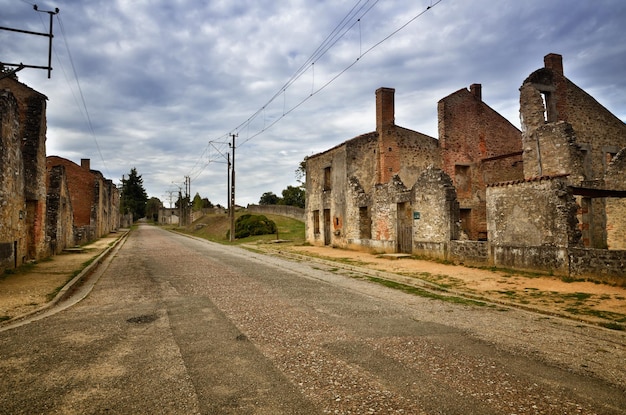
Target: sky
[162, 85]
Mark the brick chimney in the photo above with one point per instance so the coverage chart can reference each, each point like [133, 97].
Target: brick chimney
[85, 164]
[385, 112]
[553, 61]
[477, 91]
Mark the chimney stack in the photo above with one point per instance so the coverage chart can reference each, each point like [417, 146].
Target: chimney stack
[477, 91]
[85, 164]
[554, 61]
[385, 112]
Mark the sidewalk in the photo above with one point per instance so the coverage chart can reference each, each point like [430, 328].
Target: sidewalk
[33, 287]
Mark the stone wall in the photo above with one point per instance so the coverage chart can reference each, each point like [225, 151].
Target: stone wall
[32, 145]
[469, 252]
[94, 200]
[293, 212]
[13, 242]
[534, 212]
[566, 131]
[60, 216]
[615, 178]
[435, 208]
[598, 265]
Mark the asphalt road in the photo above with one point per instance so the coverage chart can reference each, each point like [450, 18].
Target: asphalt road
[175, 325]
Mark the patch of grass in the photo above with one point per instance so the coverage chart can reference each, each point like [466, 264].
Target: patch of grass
[578, 296]
[423, 293]
[214, 227]
[613, 326]
[570, 280]
[5, 318]
[508, 293]
[23, 269]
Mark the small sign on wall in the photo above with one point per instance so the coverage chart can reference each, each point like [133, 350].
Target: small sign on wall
[416, 215]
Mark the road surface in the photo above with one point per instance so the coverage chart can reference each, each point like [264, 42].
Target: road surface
[177, 325]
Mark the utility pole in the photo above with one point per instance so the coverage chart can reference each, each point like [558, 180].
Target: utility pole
[20, 66]
[228, 183]
[232, 193]
[188, 191]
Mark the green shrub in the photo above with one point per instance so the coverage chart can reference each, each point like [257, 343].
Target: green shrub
[250, 225]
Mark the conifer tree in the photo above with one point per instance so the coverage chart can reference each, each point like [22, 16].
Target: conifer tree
[134, 197]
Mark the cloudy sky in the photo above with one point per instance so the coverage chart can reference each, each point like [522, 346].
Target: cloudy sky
[160, 85]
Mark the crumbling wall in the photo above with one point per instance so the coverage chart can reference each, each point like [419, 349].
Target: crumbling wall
[598, 265]
[384, 213]
[326, 184]
[13, 242]
[478, 146]
[532, 223]
[32, 145]
[566, 131]
[60, 216]
[435, 213]
[95, 203]
[616, 207]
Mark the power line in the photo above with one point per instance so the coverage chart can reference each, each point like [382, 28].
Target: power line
[352, 18]
[82, 97]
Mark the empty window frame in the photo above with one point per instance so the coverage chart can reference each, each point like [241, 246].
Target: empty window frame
[327, 181]
[316, 221]
[365, 223]
[462, 179]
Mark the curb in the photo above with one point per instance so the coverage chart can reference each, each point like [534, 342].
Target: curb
[67, 289]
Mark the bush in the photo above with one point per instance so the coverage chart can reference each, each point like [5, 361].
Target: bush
[250, 225]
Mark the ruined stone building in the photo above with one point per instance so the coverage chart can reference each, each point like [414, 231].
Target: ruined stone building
[94, 199]
[484, 191]
[22, 174]
[569, 212]
[478, 146]
[352, 188]
[169, 216]
[38, 197]
[372, 185]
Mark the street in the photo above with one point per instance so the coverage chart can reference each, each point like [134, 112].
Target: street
[177, 325]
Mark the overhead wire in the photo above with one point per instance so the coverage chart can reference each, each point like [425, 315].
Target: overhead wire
[82, 97]
[80, 91]
[338, 32]
[339, 74]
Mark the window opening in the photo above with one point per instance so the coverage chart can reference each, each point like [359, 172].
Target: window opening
[316, 221]
[327, 183]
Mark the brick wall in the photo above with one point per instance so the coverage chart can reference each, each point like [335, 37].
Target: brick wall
[478, 146]
[81, 184]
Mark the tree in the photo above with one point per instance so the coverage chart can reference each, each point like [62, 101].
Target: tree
[133, 198]
[152, 208]
[301, 171]
[293, 196]
[269, 198]
[196, 203]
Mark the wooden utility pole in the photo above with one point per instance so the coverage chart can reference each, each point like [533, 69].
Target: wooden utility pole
[232, 192]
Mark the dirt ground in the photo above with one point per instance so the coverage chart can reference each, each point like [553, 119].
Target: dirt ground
[33, 286]
[581, 300]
